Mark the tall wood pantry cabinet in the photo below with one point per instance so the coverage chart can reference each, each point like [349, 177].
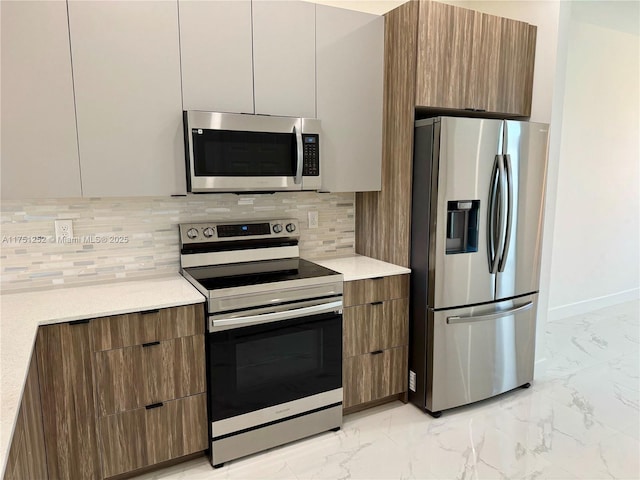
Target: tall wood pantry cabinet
[439, 59]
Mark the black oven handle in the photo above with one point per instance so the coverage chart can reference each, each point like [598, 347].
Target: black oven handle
[238, 322]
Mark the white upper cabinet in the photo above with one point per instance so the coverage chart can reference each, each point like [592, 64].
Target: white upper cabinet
[126, 66]
[216, 50]
[284, 58]
[39, 157]
[350, 66]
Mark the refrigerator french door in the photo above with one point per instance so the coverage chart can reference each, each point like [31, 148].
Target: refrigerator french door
[478, 188]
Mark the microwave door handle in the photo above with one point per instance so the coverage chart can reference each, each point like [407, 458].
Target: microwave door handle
[298, 134]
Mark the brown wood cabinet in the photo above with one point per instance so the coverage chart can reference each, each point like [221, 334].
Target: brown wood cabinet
[27, 457]
[474, 61]
[129, 378]
[383, 221]
[375, 289]
[375, 326]
[107, 396]
[374, 376]
[147, 436]
[375, 339]
[444, 52]
[145, 327]
[66, 387]
[150, 387]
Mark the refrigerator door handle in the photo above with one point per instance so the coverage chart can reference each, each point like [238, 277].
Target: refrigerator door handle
[507, 235]
[489, 316]
[491, 217]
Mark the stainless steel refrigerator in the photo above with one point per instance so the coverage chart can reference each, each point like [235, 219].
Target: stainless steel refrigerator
[476, 234]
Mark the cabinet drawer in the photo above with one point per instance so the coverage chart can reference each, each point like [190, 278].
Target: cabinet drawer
[143, 437]
[377, 289]
[371, 377]
[129, 378]
[390, 372]
[377, 326]
[143, 327]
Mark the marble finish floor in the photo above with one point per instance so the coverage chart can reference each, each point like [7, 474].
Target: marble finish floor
[579, 420]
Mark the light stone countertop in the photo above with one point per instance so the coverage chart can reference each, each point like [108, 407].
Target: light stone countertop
[358, 267]
[22, 313]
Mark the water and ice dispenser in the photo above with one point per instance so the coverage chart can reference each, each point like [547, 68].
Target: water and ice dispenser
[462, 226]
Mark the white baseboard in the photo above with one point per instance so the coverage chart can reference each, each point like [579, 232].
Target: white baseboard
[578, 308]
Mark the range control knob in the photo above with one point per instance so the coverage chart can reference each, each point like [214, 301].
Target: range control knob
[208, 232]
[192, 233]
[277, 228]
[291, 227]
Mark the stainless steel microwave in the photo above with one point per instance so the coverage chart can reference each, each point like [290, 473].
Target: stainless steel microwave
[229, 152]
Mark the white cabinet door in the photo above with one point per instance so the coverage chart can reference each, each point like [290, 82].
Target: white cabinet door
[350, 64]
[216, 51]
[39, 144]
[284, 58]
[126, 67]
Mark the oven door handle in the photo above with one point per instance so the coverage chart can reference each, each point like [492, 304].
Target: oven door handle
[216, 325]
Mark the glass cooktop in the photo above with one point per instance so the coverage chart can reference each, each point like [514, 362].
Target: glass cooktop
[255, 273]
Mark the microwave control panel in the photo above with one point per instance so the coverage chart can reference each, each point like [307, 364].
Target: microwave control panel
[311, 155]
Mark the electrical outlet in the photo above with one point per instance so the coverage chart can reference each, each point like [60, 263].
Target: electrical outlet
[313, 219]
[64, 231]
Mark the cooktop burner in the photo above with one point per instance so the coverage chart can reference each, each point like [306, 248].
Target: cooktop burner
[215, 277]
[255, 264]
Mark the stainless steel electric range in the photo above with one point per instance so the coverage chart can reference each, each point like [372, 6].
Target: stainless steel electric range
[274, 335]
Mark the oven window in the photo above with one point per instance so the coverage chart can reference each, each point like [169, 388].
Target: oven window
[283, 358]
[261, 366]
[227, 153]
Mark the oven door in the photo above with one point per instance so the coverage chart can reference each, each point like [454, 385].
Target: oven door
[268, 366]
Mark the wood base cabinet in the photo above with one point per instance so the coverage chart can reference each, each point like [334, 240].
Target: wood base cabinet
[375, 340]
[111, 395]
[27, 458]
[68, 409]
[374, 376]
[150, 386]
[130, 378]
[154, 434]
[141, 328]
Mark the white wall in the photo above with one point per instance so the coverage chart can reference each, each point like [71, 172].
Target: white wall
[596, 242]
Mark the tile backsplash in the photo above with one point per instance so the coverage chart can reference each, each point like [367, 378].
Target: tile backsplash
[128, 238]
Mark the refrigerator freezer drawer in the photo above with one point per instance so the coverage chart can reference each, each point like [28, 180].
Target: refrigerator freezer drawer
[480, 352]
